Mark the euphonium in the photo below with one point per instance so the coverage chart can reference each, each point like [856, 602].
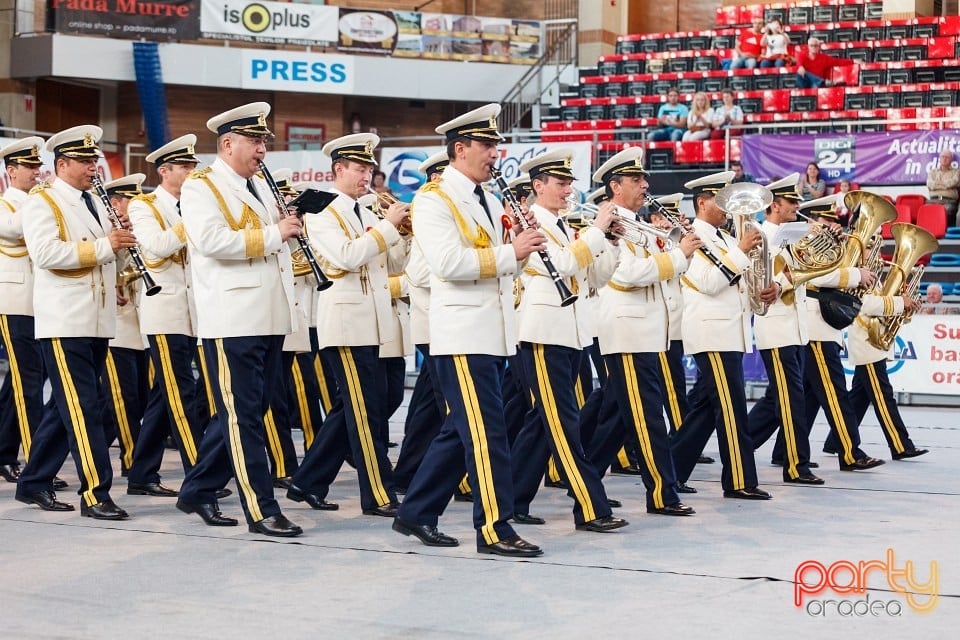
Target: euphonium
[871, 211]
[903, 279]
[743, 201]
[629, 229]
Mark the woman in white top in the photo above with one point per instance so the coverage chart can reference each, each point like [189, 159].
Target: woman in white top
[725, 116]
[774, 43]
[698, 121]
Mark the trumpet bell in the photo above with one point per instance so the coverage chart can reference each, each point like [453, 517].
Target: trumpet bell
[743, 199]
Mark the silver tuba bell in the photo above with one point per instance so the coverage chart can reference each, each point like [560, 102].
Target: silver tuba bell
[742, 202]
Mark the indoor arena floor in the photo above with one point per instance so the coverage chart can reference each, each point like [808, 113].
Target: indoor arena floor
[727, 572]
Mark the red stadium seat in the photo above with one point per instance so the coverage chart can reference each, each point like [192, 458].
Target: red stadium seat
[933, 218]
[688, 152]
[714, 151]
[913, 201]
[903, 215]
[830, 99]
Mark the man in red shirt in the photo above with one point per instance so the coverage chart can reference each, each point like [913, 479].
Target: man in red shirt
[813, 67]
[749, 46]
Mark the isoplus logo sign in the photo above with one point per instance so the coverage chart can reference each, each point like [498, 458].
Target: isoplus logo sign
[814, 582]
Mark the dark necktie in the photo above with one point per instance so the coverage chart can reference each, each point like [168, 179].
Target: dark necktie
[253, 190]
[356, 210]
[563, 229]
[483, 202]
[88, 200]
[178, 208]
[720, 237]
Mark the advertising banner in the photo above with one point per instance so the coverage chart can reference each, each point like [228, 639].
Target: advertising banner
[893, 157]
[367, 31]
[148, 19]
[297, 71]
[269, 22]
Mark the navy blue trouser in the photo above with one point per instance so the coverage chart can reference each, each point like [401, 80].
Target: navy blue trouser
[424, 418]
[21, 395]
[306, 412]
[674, 381]
[278, 422]
[124, 389]
[871, 385]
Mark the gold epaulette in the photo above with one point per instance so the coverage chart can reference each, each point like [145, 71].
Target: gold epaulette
[199, 173]
[40, 187]
[145, 197]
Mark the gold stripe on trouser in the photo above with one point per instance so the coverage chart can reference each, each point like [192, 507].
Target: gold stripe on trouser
[358, 404]
[881, 404]
[729, 419]
[673, 404]
[325, 400]
[175, 402]
[302, 404]
[641, 427]
[786, 414]
[552, 472]
[233, 433]
[481, 451]
[464, 485]
[120, 411]
[78, 422]
[623, 458]
[273, 440]
[564, 453]
[578, 392]
[211, 403]
[151, 373]
[17, 383]
[833, 403]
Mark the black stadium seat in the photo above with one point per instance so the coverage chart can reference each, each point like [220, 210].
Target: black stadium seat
[824, 13]
[899, 76]
[849, 12]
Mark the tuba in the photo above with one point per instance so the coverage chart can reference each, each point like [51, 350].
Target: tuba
[743, 201]
[903, 279]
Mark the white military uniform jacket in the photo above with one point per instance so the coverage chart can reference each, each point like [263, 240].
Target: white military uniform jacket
[298, 341]
[356, 310]
[859, 351]
[716, 315]
[16, 269]
[818, 329]
[402, 345]
[585, 263]
[163, 244]
[784, 324]
[128, 334]
[633, 313]
[472, 269]
[418, 287]
[241, 271]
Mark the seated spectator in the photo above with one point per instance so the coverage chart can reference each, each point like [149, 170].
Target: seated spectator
[943, 183]
[933, 302]
[726, 116]
[843, 213]
[748, 47]
[378, 182]
[738, 174]
[813, 66]
[698, 119]
[671, 118]
[775, 43]
[812, 185]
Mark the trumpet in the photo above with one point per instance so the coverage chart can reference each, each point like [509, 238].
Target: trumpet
[629, 229]
[384, 201]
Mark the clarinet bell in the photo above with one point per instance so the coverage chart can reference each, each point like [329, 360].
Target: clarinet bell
[323, 285]
[150, 287]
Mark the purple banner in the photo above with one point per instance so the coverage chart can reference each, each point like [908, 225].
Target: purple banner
[890, 158]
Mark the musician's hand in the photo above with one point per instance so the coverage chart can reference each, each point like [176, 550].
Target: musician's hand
[606, 216]
[911, 305]
[529, 217]
[290, 227]
[771, 293]
[397, 214]
[689, 244]
[867, 278]
[124, 219]
[750, 239]
[122, 300]
[528, 241]
[121, 239]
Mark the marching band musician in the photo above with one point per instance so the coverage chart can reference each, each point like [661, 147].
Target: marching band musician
[551, 346]
[125, 386]
[780, 336]
[467, 245]
[168, 320]
[243, 289]
[21, 396]
[716, 332]
[354, 320]
[633, 325]
[74, 246]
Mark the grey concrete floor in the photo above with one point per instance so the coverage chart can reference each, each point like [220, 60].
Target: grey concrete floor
[726, 572]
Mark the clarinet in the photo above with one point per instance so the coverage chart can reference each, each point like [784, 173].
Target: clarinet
[732, 277]
[566, 296]
[323, 282]
[149, 284]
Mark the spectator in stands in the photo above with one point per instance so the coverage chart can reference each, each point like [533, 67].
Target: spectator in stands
[379, 182]
[726, 116]
[943, 183]
[813, 66]
[748, 47]
[843, 213]
[812, 185]
[671, 118]
[738, 174]
[698, 119]
[933, 302]
[775, 43]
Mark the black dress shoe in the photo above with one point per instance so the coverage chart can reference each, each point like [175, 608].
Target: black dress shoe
[425, 533]
[105, 510]
[209, 512]
[46, 500]
[58, 484]
[555, 484]
[463, 497]
[811, 464]
[526, 518]
[602, 525]
[804, 478]
[910, 453]
[678, 509]
[750, 493]
[316, 502]
[614, 503]
[10, 472]
[683, 487]
[150, 489]
[515, 547]
[223, 493]
[632, 470]
[386, 511]
[277, 526]
[705, 460]
[283, 483]
[862, 464]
